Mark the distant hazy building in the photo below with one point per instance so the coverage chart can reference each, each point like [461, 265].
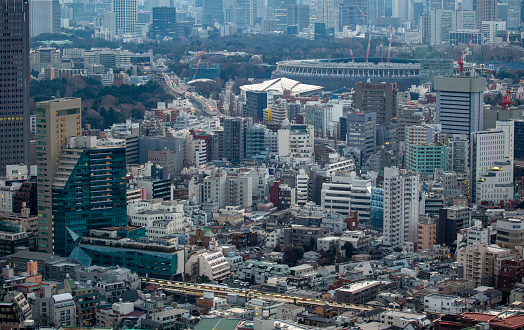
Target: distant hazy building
[44, 16]
[164, 22]
[125, 14]
[212, 11]
[298, 15]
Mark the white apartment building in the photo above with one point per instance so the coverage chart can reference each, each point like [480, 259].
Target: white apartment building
[160, 223]
[402, 319]
[195, 151]
[490, 28]
[296, 144]
[211, 263]
[301, 186]
[336, 195]
[401, 206]
[444, 304]
[492, 163]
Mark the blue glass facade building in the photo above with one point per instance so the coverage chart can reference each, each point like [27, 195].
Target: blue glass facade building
[89, 192]
[376, 212]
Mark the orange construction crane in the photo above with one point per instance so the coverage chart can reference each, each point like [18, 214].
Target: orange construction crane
[369, 45]
[462, 55]
[198, 63]
[389, 48]
[351, 53]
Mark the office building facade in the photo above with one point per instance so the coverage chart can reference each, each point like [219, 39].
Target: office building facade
[44, 17]
[14, 84]
[378, 98]
[460, 102]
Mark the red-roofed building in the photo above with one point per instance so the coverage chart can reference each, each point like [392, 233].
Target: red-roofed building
[512, 322]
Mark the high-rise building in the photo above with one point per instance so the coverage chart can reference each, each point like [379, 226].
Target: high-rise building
[255, 144]
[245, 13]
[14, 83]
[235, 138]
[424, 159]
[125, 13]
[321, 116]
[486, 11]
[298, 15]
[80, 186]
[57, 120]
[256, 102]
[44, 17]
[164, 21]
[513, 17]
[458, 147]
[491, 156]
[278, 11]
[460, 103]
[353, 13]
[328, 13]
[361, 134]
[212, 11]
[378, 98]
[450, 220]
[401, 206]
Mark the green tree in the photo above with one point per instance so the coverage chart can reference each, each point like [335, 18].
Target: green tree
[348, 248]
[292, 254]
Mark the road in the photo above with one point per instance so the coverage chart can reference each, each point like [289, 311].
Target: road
[208, 106]
[198, 290]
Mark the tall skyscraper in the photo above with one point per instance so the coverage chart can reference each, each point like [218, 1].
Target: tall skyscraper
[277, 10]
[245, 13]
[460, 103]
[235, 138]
[492, 163]
[328, 13]
[401, 206]
[56, 120]
[212, 11]
[125, 13]
[361, 135]
[44, 16]
[14, 83]
[486, 11]
[298, 15]
[80, 186]
[378, 98]
[353, 13]
[164, 21]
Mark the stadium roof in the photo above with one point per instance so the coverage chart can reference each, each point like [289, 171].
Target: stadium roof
[282, 84]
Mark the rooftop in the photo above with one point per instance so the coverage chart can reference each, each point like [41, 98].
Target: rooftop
[280, 85]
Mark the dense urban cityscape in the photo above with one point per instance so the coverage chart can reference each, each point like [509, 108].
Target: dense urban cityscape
[261, 164]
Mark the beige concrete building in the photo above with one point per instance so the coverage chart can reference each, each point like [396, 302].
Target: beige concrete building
[426, 235]
[482, 263]
[56, 120]
[510, 233]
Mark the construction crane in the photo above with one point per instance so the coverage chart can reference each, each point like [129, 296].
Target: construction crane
[506, 95]
[462, 55]
[363, 15]
[198, 63]
[369, 45]
[506, 99]
[351, 53]
[389, 48]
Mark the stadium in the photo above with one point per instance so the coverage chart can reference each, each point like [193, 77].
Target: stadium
[338, 73]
